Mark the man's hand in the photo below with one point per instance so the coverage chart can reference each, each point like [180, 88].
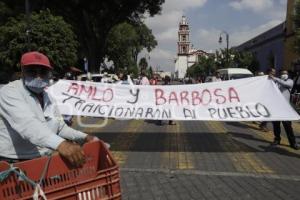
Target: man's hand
[271, 76]
[72, 152]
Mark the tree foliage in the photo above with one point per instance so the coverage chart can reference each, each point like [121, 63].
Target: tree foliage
[92, 20]
[236, 59]
[245, 60]
[207, 66]
[48, 34]
[204, 67]
[125, 41]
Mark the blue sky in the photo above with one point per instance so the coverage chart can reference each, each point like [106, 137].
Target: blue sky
[242, 19]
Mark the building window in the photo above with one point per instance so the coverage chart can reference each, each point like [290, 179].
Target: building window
[184, 38]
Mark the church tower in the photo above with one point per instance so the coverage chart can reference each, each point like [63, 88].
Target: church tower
[186, 55]
[183, 37]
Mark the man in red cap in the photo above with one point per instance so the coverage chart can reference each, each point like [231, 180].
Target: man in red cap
[30, 124]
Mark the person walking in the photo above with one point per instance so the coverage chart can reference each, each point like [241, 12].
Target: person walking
[285, 84]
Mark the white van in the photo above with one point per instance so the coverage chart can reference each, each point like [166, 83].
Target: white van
[234, 73]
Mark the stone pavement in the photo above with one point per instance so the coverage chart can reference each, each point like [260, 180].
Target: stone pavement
[200, 160]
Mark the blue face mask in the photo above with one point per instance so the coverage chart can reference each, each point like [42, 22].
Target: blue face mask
[36, 85]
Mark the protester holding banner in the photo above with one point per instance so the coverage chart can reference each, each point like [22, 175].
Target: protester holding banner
[285, 84]
[167, 81]
[153, 80]
[144, 79]
[217, 77]
[30, 124]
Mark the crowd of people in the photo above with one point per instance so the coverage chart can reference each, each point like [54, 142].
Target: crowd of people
[30, 124]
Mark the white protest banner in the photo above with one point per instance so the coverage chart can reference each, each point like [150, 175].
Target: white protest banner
[249, 99]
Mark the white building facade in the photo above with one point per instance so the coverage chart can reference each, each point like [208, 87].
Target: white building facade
[186, 56]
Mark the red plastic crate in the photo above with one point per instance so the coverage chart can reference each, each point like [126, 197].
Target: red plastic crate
[98, 179]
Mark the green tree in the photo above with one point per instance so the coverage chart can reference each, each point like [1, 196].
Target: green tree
[204, 67]
[124, 43]
[92, 20]
[245, 60]
[120, 44]
[48, 34]
[146, 39]
[236, 59]
[5, 12]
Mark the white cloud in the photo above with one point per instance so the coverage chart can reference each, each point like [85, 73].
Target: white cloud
[171, 5]
[254, 5]
[165, 28]
[240, 37]
[168, 35]
[164, 59]
[208, 38]
[165, 21]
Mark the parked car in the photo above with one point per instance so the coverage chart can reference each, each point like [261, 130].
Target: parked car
[234, 73]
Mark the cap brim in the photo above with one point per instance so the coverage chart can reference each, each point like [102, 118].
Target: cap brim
[39, 64]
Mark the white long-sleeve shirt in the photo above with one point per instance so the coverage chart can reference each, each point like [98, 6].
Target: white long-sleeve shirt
[285, 86]
[26, 130]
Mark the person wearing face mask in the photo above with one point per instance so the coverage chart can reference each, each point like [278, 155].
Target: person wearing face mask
[30, 124]
[285, 85]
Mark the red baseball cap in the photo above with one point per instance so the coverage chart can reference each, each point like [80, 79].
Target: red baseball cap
[35, 58]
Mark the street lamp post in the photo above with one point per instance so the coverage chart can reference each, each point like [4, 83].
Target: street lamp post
[227, 45]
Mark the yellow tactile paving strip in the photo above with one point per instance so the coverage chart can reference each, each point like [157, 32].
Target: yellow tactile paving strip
[181, 158]
[126, 140]
[246, 162]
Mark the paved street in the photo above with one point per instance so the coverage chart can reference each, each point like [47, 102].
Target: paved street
[200, 160]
